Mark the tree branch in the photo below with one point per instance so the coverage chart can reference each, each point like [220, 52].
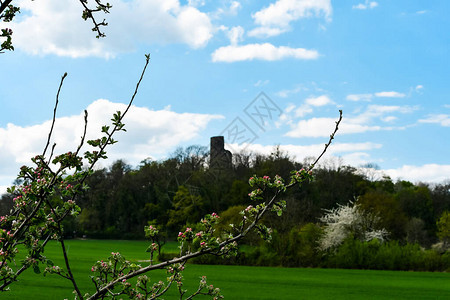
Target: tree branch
[243, 233]
[54, 114]
[4, 5]
[329, 142]
[88, 14]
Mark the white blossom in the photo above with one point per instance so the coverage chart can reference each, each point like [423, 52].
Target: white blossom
[345, 220]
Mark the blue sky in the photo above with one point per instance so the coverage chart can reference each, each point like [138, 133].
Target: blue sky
[213, 63]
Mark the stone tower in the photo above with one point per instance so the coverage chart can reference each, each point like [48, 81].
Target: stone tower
[219, 157]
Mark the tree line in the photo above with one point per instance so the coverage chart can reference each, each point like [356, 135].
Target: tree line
[121, 200]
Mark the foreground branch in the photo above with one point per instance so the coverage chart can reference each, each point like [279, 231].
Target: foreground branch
[221, 248]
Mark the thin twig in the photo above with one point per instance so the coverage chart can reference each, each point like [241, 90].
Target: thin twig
[63, 248]
[84, 132]
[109, 137]
[54, 114]
[69, 271]
[329, 142]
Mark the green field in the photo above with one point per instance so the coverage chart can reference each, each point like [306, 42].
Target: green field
[239, 282]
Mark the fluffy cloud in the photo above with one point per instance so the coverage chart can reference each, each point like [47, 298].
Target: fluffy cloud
[441, 119]
[354, 154]
[196, 3]
[301, 152]
[150, 133]
[286, 93]
[61, 30]
[276, 18]
[265, 32]
[264, 51]
[359, 123]
[231, 10]
[235, 34]
[432, 173]
[322, 127]
[310, 103]
[391, 94]
[359, 97]
[319, 101]
[293, 112]
[369, 97]
[365, 5]
[379, 112]
[338, 154]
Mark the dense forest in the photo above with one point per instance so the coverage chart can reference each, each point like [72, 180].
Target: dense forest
[178, 191]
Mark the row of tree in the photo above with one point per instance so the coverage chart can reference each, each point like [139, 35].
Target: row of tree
[177, 191]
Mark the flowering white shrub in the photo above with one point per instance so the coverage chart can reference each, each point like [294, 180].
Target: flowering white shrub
[346, 220]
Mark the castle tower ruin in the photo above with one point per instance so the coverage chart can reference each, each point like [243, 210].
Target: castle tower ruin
[219, 157]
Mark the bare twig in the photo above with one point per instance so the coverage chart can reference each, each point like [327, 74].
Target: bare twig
[54, 114]
[84, 133]
[116, 127]
[329, 142]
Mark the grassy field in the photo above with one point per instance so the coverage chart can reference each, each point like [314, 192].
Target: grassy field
[238, 282]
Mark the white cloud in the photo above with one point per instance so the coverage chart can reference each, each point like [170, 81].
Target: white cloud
[390, 94]
[265, 32]
[292, 111]
[354, 154]
[350, 147]
[231, 10]
[322, 127]
[360, 123]
[261, 82]
[196, 3]
[431, 173]
[441, 119]
[276, 18]
[419, 89]
[356, 158]
[365, 5]
[359, 97]
[319, 101]
[264, 51]
[307, 106]
[337, 154]
[149, 133]
[379, 111]
[286, 93]
[56, 27]
[301, 152]
[236, 34]
[389, 119]
[303, 110]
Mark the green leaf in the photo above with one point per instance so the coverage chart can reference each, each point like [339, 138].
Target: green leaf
[36, 269]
